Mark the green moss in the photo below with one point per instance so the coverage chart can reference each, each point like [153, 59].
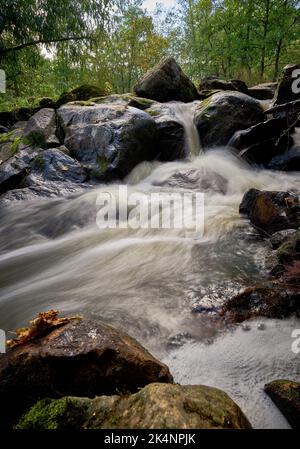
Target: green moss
[15, 145]
[35, 139]
[7, 137]
[153, 113]
[39, 162]
[64, 413]
[103, 163]
[82, 103]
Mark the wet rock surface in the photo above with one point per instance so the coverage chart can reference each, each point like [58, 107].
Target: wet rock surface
[218, 117]
[286, 395]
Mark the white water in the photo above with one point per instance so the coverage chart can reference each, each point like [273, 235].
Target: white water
[147, 282]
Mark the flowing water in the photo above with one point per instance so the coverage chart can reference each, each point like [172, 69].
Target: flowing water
[163, 286]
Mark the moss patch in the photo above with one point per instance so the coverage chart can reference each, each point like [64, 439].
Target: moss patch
[66, 413]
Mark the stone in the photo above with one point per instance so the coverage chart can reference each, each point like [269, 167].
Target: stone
[260, 143]
[270, 212]
[221, 115]
[156, 406]
[43, 124]
[286, 395]
[285, 92]
[81, 93]
[166, 82]
[108, 139]
[214, 83]
[271, 301]
[265, 91]
[81, 358]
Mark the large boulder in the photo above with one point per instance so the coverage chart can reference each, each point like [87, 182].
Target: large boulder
[82, 358]
[221, 115]
[166, 82]
[270, 212]
[286, 395]
[43, 124]
[157, 406]
[109, 139]
[263, 142]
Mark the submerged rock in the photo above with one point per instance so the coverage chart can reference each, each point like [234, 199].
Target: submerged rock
[286, 395]
[109, 139]
[157, 406]
[166, 82]
[272, 301]
[82, 358]
[218, 117]
[270, 212]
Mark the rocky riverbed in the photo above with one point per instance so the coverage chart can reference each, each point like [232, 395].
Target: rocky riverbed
[218, 307]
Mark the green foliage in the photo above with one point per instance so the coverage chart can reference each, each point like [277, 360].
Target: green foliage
[249, 39]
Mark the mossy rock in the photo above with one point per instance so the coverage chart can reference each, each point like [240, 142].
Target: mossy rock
[157, 406]
[81, 93]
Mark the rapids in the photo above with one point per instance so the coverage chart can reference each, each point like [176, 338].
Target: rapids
[159, 285]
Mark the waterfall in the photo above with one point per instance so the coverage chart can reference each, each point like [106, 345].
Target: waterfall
[184, 114]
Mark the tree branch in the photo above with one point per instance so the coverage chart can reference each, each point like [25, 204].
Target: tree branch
[4, 51]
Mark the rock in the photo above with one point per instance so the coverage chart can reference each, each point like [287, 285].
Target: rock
[272, 301]
[82, 358]
[265, 91]
[14, 170]
[171, 141]
[3, 129]
[281, 237]
[270, 212]
[285, 92]
[289, 161]
[47, 103]
[166, 82]
[54, 165]
[262, 142]
[201, 180]
[289, 250]
[8, 119]
[248, 202]
[43, 124]
[108, 139]
[157, 406]
[286, 395]
[81, 93]
[218, 117]
[214, 83]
